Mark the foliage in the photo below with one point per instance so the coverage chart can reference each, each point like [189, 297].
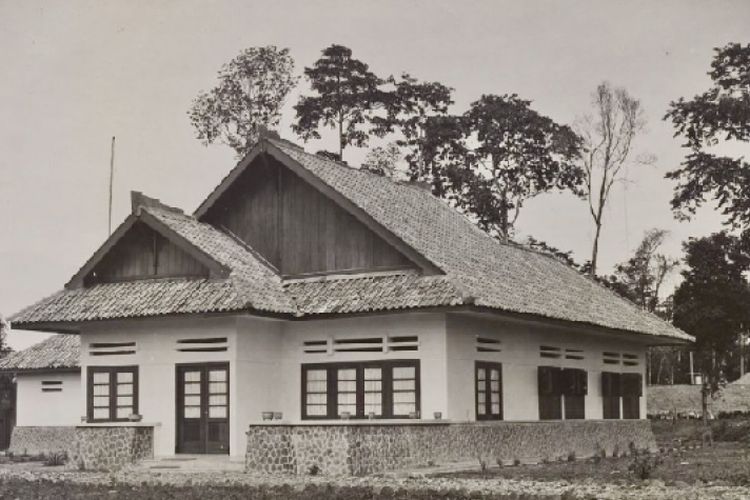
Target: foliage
[711, 302]
[510, 153]
[412, 109]
[608, 137]
[346, 93]
[249, 97]
[643, 465]
[722, 113]
[383, 160]
[56, 458]
[543, 246]
[4, 332]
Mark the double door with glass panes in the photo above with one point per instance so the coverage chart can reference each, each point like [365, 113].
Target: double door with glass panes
[203, 408]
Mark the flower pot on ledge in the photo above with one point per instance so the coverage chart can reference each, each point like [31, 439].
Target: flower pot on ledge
[134, 417]
[267, 415]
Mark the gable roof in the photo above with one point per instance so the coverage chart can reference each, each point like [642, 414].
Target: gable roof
[58, 352]
[462, 264]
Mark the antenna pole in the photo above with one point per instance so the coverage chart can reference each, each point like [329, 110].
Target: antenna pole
[111, 177]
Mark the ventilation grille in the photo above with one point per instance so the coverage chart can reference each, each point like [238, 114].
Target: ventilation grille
[576, 354]
[629, 359]
[214, 344]
[362, 344]
[486, 344]
[611, 358]
[52, 386]
[111, 348]
[546, 351]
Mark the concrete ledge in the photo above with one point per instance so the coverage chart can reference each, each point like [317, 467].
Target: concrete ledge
[366, 449]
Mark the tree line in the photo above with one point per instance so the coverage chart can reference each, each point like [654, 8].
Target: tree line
[492, 158]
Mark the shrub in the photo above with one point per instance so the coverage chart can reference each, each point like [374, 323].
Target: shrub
[643, 465]
[56, 458]
[516, 462]
[572, 456]
[314, 470]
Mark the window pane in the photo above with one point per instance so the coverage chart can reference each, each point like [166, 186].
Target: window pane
[124, 400]
[124, 377]
[347, 374]
[404, 385]
[481, 397]
[100, 413]
[373, 385]
[347, 398]
[217, 412]
[495, 386]
[192, 401]
[217, 375]
[217, 387]
[319, 387]
[494, 375]
[192, 388]
[192, 412]
[316, 399]
[124, 412]
[403, 409]
[101, 378]
[319, 375]
[124, 389]
[495, 409]
[192, 376]
[376, 409]
[101, 401]
[373, 373]
[401, 372]
[101, 390]
[480, 374]
[352, 409]
[317, 411]
[217, 400]
[373, 398]
[347, 386]
[404, 397]
[495, 397]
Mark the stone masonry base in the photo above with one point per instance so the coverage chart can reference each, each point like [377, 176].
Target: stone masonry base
[37, 440]
[110, 448]
[359, 449]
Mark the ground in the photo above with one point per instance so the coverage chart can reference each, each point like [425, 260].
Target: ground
[686, 470]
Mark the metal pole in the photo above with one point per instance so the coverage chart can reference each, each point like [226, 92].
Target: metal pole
[692, 373]
[111, 177]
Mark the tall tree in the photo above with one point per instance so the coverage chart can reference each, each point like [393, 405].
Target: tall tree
[720, 114]
[384, 160]
[4, 331]
[712, 303]
[347, 92]
[411, 109]
[512, 154]
[608, 134]
[249, 97]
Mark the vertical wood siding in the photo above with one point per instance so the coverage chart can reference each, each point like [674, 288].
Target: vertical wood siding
[144, 253]
[296, 228]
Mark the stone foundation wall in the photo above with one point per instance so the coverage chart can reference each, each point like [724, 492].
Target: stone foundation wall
[33, 440]
[371, 448]
[110, 448]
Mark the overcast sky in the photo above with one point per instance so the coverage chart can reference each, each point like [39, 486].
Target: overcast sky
[76, 73]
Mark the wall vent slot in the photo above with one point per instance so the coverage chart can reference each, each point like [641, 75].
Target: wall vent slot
[369, 344]
[629, 359]
[403, 343]
[576, 354]
[486, 344]
[546, 351]
[611, 358]
[212, 344]
[52, 386]
[111, 348]
[315, 346]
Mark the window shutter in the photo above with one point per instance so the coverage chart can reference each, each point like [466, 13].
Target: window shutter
[632, 385]
[611, 384]
[548, 386]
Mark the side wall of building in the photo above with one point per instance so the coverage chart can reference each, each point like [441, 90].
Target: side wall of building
[48, 399]
[520, 355]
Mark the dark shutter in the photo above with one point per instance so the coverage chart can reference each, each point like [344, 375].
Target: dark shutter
[550, 389]
[611, 388]
[575, 388]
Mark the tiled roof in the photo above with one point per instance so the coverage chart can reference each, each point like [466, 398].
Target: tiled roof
[478, 270]
[59, 351]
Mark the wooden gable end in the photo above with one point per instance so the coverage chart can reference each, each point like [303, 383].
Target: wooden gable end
[143, 253]
[296, 228]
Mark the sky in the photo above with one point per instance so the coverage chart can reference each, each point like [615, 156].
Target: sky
[76, 73]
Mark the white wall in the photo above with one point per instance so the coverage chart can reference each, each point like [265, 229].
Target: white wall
[157, 354]
[35, 407]
[520, 341]
[428, 327]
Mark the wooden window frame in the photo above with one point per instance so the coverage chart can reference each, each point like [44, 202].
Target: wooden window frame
[487, 366]
[387, 388]
[112, 371]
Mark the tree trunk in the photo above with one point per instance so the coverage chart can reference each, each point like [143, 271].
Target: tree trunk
[704, 399]
[595, 248]
[341, 140]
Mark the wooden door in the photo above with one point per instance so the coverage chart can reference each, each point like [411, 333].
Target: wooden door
[203, 408]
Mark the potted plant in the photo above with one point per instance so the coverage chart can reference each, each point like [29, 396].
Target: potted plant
[267, 415]
[345, 415]
[277, 415]
[438, 415]
[134, 417]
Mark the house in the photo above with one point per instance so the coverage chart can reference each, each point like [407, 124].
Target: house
[48, 394]
[309, 314]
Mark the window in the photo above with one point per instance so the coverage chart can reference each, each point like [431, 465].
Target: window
[374, 389]
[562, 384]
[489, 391]
[550, 400]
[112, 393]
[632, 390]
[611, 395]
[575, 389]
